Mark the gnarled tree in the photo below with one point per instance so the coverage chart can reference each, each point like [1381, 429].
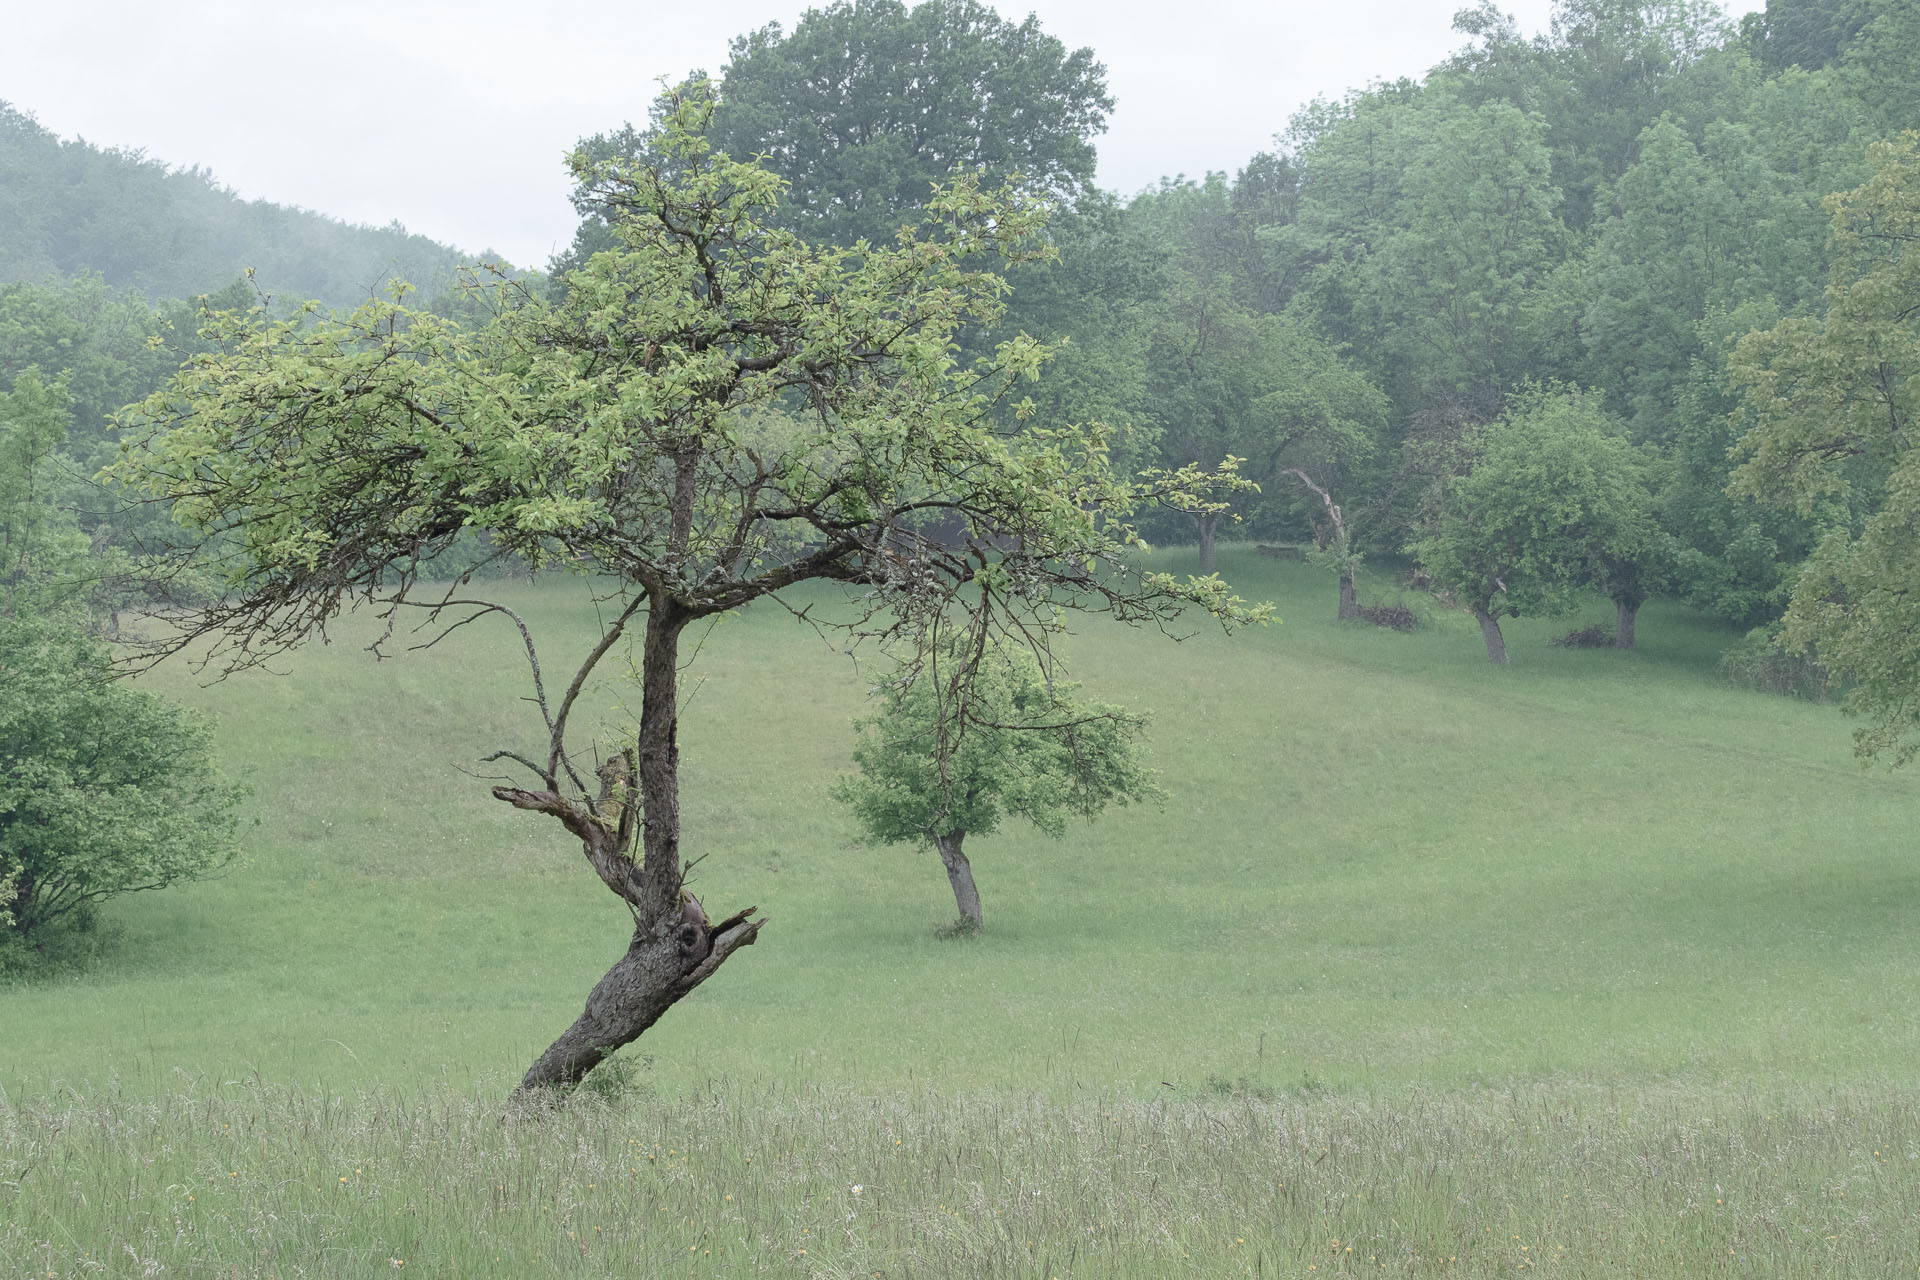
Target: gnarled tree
[715, 412]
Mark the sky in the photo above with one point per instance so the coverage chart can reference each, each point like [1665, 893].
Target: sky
[452, 116]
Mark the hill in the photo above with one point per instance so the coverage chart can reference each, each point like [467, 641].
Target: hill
[73, 208]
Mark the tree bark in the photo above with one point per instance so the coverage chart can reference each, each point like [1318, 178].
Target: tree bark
[674, 948]
[1349, 598]
[960, 875]
[1490, 632]
[1206, 526]
[1623, 615]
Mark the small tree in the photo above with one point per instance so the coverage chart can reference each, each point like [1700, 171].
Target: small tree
[980, 734]
[713, 413]
[1551, 491]
[104, 789]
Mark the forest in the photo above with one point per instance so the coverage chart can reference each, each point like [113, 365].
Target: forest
[1517, 454]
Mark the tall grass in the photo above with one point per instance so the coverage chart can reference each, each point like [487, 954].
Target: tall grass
[794, 1180]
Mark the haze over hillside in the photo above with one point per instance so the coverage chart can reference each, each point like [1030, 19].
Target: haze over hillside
[73, 208]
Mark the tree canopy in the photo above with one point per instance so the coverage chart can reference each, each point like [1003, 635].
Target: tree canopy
[866, 105]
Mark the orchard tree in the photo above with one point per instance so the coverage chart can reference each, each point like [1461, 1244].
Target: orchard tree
[713, 412]
[972, 732]
[1550, 490]
[1834, 400]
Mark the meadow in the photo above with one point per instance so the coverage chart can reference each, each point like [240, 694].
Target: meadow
[1595, 965]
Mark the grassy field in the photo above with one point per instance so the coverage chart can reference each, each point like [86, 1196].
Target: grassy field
[1427, 958]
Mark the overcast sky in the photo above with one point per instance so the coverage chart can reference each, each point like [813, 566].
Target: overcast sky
[452, 115]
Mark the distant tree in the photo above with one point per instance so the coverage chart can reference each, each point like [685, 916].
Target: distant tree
[1549, 491]
[971, 734]
[1835, 399]
[866, 104]
[713, 413]
[1266, 390]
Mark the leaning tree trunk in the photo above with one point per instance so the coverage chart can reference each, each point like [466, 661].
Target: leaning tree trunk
[960, 875]
[1623, 615]
[674, 947]
[1206, 526]
[1490, 632]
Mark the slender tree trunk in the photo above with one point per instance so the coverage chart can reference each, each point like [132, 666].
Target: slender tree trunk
[960, 875]
[1490, 632]
[1206, 526]
[1349, 598]
[674, 948]
[1623, 614]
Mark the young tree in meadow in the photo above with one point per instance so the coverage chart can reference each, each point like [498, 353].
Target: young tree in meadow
[971, 734]
[1551, 489]
[714, 412]
[1835, 399]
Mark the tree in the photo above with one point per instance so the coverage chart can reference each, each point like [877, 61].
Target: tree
[103, 789]
[1225, 385]
[973, 733]
[867, 104]
[1550, 489]
[711, 414]
[1833, 400]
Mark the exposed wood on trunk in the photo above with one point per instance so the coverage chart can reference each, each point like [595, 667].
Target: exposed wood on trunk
[1349, 608]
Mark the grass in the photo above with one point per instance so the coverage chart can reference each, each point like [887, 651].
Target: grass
[1532, 925]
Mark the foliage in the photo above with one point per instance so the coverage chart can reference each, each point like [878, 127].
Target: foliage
[1833, 400]
[104, 789]
[976, 736]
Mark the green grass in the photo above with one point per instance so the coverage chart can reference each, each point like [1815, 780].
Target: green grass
[1391, 886]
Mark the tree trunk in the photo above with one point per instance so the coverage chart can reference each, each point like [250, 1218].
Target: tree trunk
[960, 875]
[1623, 613]
[674, 947]
[1349, 598]
[1206, 526]
[1490, 632]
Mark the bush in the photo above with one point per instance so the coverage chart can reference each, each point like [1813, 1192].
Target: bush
[1397, 617]
[1597, 636]
[1759, 661]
